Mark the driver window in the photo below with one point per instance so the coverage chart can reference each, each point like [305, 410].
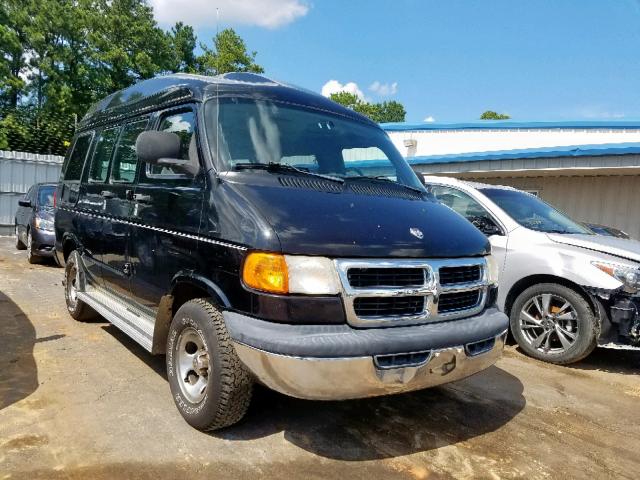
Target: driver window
[183, 124]
[459, 201]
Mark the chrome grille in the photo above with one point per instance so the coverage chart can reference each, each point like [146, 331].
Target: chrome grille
[398, 292]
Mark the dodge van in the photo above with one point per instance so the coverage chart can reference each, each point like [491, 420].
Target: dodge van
[220, 221]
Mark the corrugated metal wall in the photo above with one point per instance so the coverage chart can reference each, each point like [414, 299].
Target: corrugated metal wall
[18, 171]
[607, 200]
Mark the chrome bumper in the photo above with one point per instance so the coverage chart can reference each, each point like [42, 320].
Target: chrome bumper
[358, 377]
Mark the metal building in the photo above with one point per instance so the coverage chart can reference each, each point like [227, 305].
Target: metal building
[18, 171]
[590, 170]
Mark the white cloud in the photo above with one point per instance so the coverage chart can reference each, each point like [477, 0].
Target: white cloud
[334, 86]
[202, 13]
[429, 119]
[384, 89]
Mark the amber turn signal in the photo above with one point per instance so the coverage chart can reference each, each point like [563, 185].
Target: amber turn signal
[266, 272]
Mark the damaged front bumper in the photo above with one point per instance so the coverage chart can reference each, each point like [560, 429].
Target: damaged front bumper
[619, 315]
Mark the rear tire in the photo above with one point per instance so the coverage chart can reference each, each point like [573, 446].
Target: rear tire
[209, 384]
[554, 323]
[76, 307]
[19, 244]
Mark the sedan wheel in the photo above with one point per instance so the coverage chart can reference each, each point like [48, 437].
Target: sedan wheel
[549, 323]
[31, 257]
[19, 244]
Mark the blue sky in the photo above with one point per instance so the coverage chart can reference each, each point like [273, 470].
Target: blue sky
[451, 60]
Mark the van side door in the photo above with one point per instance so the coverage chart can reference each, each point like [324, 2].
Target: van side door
[167, 207]
[92, 202]
[118, 204]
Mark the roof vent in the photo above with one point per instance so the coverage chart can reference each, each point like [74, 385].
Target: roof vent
[246, 77]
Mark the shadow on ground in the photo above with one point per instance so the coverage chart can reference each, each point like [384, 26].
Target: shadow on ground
[611, 360]
[18, 371]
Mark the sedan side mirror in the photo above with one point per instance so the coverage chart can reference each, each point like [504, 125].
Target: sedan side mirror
[163, 149]
[24, 203]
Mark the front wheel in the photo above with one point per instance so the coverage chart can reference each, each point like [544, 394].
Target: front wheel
[32, 257]
[210, 385]
[76, 307]
[554, 323]
[19, 244]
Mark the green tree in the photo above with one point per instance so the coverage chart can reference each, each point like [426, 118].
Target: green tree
[491, 115]
[229, 54]
[183, 43]
[14, 20]
[378, 112]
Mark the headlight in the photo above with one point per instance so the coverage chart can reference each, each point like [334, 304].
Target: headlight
[628, 276]
[43, 224]
[276, 273]
[493, 269]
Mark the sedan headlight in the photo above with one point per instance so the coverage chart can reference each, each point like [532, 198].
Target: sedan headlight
[493, 269]
[277, 273]
[42, 224]
[627, 275]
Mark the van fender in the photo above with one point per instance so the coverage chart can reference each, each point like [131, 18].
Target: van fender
[166, 310]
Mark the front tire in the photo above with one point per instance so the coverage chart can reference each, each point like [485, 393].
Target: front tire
[19, 244]
[76, 307]
[554, 323]
[209, 384]
[32, 257]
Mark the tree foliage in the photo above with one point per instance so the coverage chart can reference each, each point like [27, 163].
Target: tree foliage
[57, 57]
[378, 112]
[491, 115]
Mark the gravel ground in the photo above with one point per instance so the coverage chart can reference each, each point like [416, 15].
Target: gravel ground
[81, 400]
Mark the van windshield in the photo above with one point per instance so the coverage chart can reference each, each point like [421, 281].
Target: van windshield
[531, 212]
[253, 132]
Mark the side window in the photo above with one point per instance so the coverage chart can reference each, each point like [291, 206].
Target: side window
[102, 155]
[459, 201]
[182, 124]
[73, 169]
[126, 159]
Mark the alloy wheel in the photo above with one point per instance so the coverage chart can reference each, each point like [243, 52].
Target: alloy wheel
[549, 323]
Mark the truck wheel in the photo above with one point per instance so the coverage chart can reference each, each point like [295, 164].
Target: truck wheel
[554, 323]
[76, 307]
[31, 257]
[210, 385]
[19, 244]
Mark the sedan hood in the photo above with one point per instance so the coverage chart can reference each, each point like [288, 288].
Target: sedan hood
[376, 220]
[619, 247]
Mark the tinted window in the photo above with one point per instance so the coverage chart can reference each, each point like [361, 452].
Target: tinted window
[459, 201]
[102, 155]
[183, 125]
[73, 170]
[45, 196]
[126, 159]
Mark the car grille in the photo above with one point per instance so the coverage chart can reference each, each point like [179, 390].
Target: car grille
[388, 306]
[462, 274]
[405, 292]
[385, 277]
[456, 301]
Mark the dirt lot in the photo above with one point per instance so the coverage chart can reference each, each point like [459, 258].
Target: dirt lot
[83, 401]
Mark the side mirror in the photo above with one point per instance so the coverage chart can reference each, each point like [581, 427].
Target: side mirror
[420, 177]
[163, 149]
[486, 225]
[24, 203]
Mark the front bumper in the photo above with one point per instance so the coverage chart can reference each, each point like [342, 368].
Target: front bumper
[337, 362]
[43, 242]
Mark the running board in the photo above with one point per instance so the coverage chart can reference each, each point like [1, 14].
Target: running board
[135, 324]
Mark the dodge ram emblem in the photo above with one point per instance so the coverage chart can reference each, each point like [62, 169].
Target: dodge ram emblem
[416, 232]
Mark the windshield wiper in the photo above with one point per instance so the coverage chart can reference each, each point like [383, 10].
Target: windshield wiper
[382, 178]
[280, 167]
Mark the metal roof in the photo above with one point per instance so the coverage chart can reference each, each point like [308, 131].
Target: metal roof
[546, 152]
[512, 125]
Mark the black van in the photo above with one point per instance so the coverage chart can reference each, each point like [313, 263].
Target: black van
[254, 231]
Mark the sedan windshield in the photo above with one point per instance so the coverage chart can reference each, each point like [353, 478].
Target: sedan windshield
[45, 196]
[254, 134]
[531, 212]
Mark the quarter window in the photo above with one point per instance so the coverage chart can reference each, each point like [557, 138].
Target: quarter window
[73, 170]
[126, 158]
[183, 125]
[459, 202]
[102, 156]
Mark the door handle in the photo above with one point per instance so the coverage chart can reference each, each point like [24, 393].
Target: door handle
[140, 198]
[107, 194]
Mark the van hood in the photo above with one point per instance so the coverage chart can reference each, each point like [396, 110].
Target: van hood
[343, 223]
[619, 247]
